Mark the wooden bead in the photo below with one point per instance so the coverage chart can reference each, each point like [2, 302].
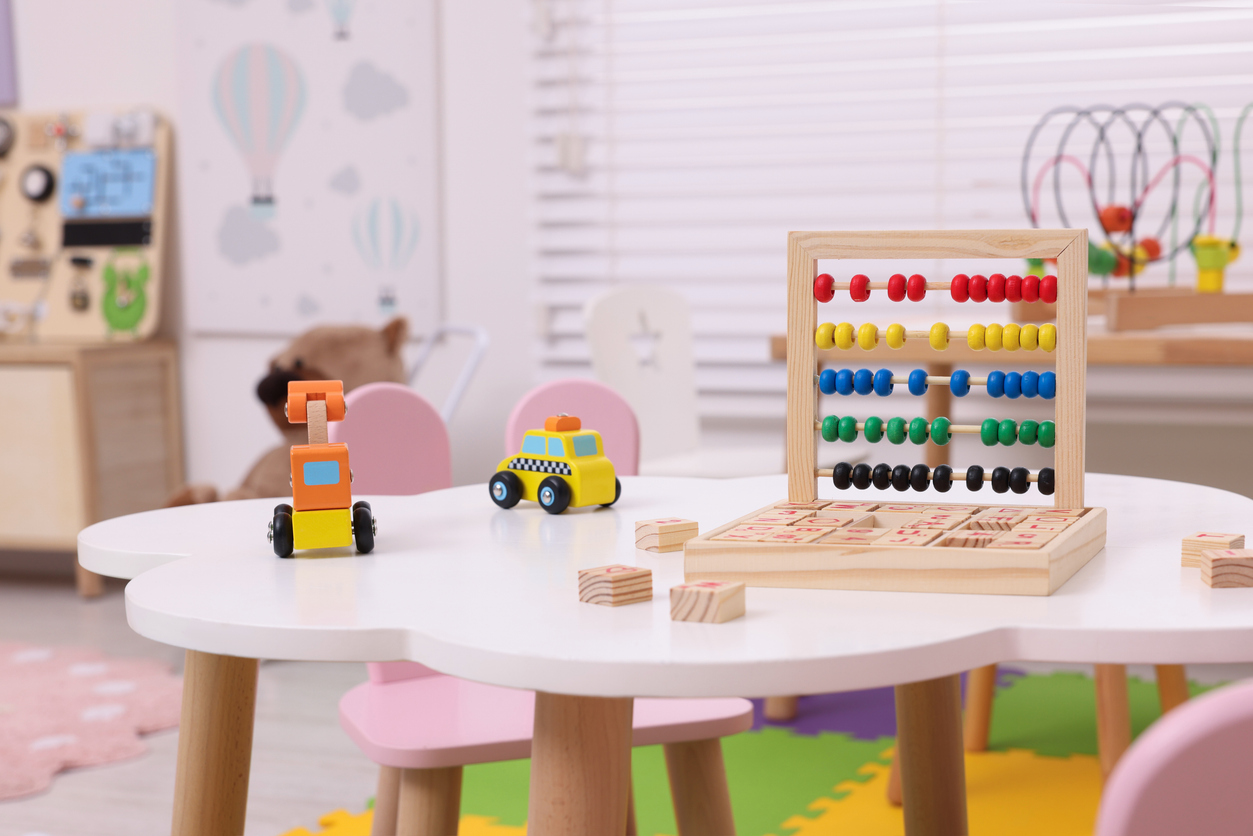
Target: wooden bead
[975, 337]
[992, 337]
[844, 335]
[1044, 481]
[942, 478]
[830, 428]
[842, 475]
[940, 430]
[896, 287]
[1013, 289]
[896, 335]
[974, 478]
[1029, 337]
[960, 287]
[826, 382]
[1031, 289]
[896, 430]
[1048, 289]
[1007, 433]
[978, 289]
[881, 476]
[939, 336]
[1048, 336]
[916, 288]
[1047, 434]
[825, 336]
[867, 336]
[1019, 480]
[920, 477]
[824, 288]
[1010, 336]
[848, 428]
[1000, 479]
[918, 430]
[873, 429]
[900, 477]
[996, 287]
[859, 288]
[861, 476]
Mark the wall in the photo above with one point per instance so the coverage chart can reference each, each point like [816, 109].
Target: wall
[484, 89]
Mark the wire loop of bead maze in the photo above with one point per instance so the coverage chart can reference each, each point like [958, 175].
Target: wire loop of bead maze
[805, 249]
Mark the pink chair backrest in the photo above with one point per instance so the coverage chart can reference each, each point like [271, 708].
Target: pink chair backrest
[1188, 773]
[384, 672]
[397, 443]
[598, 406]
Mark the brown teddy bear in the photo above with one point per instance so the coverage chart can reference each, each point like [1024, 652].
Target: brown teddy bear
[354, 354]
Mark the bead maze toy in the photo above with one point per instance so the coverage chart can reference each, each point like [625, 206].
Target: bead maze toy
[927, 547]
[324, 516]
[560, 466]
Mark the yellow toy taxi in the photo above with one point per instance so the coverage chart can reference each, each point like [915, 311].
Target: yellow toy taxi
[560, 466]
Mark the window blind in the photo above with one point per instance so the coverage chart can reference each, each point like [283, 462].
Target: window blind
[678, 141]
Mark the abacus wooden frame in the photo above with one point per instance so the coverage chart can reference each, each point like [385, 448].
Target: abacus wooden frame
[1068, 246]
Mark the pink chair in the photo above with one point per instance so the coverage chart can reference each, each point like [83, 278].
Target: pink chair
[599, 407]
[397, 442]
[1188, 773]
[422, 727]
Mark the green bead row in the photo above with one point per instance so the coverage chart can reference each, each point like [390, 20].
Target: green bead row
[993, 432]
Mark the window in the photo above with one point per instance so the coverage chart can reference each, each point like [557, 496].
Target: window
[677, 142]
[585, 445]
[555, 447]
[533, 445]
[321, 473]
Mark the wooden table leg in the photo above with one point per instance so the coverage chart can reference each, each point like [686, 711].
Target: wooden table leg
[89, 584]
[1113, 715]
[1172, 686]
[430, 802]
[980, 691]
[939, 402]
[933, 769]
[214, 745]
[894, 774]
[698, 785]
[386, 802]
[580, 766]
[780, 709]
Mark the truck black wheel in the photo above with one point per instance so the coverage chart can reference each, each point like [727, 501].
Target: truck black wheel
[363, 527]
[554, 494]
[505, 488]
[281, 534]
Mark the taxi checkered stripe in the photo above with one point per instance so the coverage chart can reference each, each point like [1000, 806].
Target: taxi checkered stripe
[539, 466]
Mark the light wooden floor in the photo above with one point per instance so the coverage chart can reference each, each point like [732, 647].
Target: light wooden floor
[303, 765]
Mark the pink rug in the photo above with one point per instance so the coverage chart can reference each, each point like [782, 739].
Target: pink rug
[62, 707]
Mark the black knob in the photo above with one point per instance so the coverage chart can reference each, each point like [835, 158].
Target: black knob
[38, 183]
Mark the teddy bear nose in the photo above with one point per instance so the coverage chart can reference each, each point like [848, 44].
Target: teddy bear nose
[272, 389]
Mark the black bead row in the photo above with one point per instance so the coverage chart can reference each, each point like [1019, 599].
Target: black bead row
[903, 477]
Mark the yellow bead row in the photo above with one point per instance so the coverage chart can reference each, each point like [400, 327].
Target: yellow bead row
[993, 337]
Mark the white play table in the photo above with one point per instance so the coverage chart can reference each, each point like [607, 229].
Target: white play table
[490, 595]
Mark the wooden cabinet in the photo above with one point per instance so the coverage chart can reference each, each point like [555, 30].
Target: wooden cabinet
[86, 433]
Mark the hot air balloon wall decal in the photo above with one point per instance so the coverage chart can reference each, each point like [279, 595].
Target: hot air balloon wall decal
[341, 11]
[259, 96]
[385, 234]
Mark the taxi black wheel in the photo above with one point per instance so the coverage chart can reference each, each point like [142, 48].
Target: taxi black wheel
[281, 534]
[363, 527]
[553, 494]
[617, 493]
[505, 488]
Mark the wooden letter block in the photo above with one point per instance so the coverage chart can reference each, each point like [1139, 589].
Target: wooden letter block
[844, 507]
[613, 586]
[710, 602]
[1028, 525]
[664, 535]
[995, 522]
[908, 537]
[1227, 568]
[746, 532]
[1050, 519]
[902, 509]
[966, 510]
[781, 516]
[828, 522]
[943, 522]
[795, 534]
[1023, 539]
[969, 539]
[1194, 544]
[854, 535]
[817, 504]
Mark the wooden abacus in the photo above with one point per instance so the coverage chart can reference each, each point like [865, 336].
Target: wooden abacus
[806, 542]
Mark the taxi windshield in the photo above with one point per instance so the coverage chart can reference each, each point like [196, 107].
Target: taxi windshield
[533, 445]
[584, 445]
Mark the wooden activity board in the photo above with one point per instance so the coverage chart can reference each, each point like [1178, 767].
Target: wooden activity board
[923, 546]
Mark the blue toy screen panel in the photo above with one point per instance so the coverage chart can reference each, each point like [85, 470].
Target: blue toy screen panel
[321, 473]
[108, 184]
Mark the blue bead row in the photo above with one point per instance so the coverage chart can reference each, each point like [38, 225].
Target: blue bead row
[1000, 384]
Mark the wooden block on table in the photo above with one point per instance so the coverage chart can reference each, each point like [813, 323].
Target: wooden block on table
[708, 602]
[1023, 539]
[969, 539]
[1050, 519]
[779, 519]
[995, 522]
[816, 505]
[746, 532]
[1028, 525]
[854, 535]
[1227, 568]
[1062, 512]
[667, 534]
[1196, 543]
[908, 537]
[613, 586]
[830, 522]
[795, 534]
[842, 507]
[944, 522]
[954, 509]
[902, 508]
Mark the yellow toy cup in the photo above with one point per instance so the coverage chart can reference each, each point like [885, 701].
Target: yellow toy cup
[1212, 254]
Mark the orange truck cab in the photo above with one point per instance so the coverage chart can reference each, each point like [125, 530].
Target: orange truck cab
[322, 514]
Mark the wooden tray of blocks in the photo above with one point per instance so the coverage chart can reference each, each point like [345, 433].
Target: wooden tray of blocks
[914, 547]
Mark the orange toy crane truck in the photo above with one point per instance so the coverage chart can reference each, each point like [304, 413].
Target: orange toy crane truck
[324, 516]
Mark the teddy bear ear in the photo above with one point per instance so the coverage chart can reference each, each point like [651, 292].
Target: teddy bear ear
[394, 334]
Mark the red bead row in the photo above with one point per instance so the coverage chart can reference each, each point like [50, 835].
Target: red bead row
[994, 288]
